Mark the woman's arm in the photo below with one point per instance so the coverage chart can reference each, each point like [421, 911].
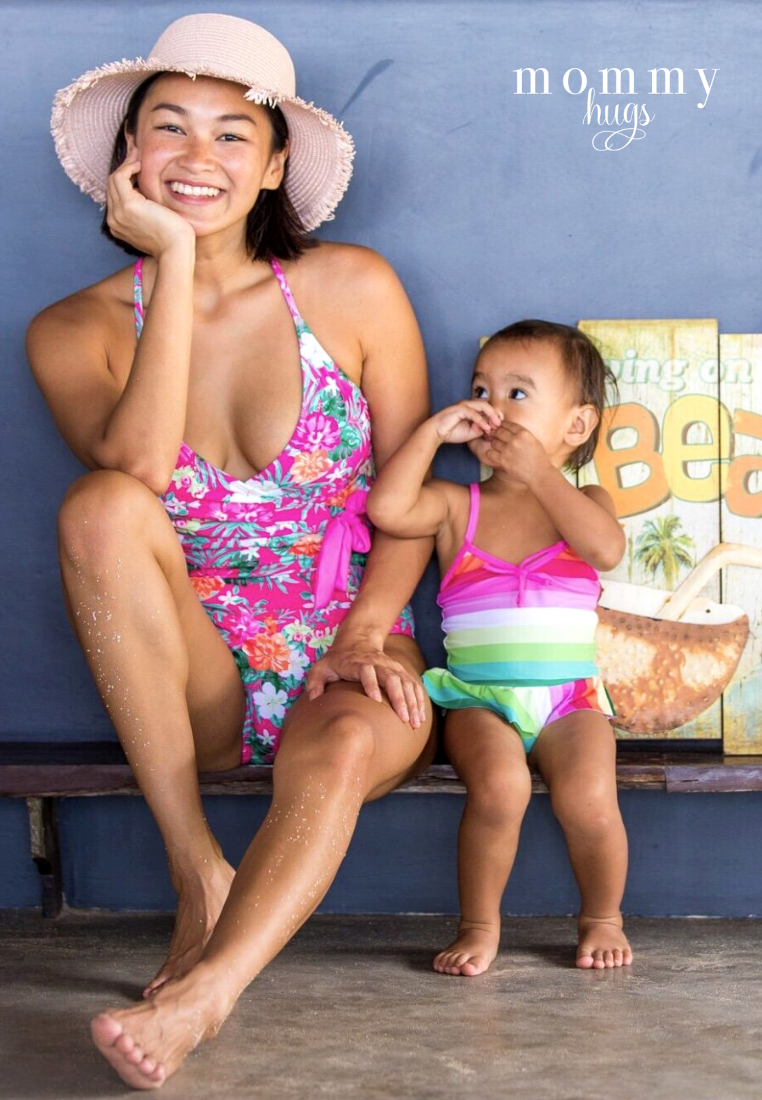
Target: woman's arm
[395, 386]
[136, 426]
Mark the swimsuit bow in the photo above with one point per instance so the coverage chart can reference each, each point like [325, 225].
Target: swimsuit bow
[533, 573]
[343, 533]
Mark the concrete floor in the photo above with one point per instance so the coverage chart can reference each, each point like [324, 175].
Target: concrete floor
[352, 1010]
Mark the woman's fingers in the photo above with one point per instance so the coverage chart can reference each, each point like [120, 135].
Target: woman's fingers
[318, 676]
[405, 693]
[377, 673]
[149, 226]
[369, 681]
[122, 197]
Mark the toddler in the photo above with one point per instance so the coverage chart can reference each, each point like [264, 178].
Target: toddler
[519, 556]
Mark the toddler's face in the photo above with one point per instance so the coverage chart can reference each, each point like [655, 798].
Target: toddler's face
[529, 384]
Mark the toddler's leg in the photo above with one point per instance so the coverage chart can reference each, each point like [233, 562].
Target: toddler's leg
[576, 756]
[489, 757]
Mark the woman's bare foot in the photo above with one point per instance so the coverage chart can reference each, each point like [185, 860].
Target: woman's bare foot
[471, 952]
[147, 1042]
[602, 943]
[199, 902]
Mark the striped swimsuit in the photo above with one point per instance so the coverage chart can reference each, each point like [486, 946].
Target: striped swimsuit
[520, 639]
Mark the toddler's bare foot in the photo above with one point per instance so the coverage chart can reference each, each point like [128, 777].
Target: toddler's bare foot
[471, 952]
[147, 1043]
[199, 903]
[602, 943]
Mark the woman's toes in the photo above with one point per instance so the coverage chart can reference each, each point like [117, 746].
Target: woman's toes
[125, 1043]
[152, 1069]
[105, 1030]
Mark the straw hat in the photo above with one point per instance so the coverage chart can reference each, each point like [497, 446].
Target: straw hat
[88, 113]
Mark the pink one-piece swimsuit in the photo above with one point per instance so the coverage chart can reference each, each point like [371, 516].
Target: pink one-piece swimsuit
[277, 560]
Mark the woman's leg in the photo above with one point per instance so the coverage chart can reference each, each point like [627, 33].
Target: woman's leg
[337, 751]
[576, 756]
[167, 679]
[489, 757]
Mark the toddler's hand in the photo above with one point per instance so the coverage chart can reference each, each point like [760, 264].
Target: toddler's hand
[466, 421]
[516, 451]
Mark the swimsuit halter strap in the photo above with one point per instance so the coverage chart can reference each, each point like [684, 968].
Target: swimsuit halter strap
[473, 512]
[286, 289]
[137, 295]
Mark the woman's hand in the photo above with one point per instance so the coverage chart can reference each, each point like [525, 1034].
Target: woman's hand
[146, 225]
[366, 663]
[466, 421]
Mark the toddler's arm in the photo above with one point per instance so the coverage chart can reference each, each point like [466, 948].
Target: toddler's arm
[585, 518]
[399, 502]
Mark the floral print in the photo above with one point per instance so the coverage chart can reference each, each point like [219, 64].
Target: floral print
[253, 547]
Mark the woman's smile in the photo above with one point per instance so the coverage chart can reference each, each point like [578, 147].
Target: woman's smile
[194, 194]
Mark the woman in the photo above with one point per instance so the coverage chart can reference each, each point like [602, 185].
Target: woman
[204, 590]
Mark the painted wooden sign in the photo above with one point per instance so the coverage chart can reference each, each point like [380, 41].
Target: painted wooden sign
[741, 528]
[681, 455]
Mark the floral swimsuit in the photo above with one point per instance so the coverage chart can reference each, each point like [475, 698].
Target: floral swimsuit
[277, 559]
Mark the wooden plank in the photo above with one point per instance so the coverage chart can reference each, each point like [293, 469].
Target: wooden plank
[659, 456]
[743, 775]
[634, 770]
[54, 780]
[741, 525]
[84, 780]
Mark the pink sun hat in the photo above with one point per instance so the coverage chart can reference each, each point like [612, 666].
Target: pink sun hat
[88, 113]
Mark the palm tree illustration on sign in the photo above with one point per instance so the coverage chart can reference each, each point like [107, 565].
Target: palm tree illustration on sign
[660, 546]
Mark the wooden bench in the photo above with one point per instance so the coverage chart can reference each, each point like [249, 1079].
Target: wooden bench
[41, 774]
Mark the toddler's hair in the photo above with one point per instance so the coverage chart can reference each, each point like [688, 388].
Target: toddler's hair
[584, 367]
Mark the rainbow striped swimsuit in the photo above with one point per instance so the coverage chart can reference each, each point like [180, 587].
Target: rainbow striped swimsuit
[520, 639]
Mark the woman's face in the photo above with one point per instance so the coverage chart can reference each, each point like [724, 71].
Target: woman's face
[204, 150]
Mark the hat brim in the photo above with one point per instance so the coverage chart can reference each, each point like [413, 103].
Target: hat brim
[88, 113]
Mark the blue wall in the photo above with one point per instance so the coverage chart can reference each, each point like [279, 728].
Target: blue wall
[491, 206]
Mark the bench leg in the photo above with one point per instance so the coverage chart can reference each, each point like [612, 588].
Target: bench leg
[43, 833]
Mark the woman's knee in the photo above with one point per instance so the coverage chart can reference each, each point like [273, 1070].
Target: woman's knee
[338, 747]
[101, 509]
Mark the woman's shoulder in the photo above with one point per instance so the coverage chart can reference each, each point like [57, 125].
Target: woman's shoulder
[343, 270]
[92, 307]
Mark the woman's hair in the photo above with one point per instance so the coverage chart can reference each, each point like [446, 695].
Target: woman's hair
[584, 366]
[273, 227]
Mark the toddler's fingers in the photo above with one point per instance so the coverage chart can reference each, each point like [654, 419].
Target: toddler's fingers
[483, 410]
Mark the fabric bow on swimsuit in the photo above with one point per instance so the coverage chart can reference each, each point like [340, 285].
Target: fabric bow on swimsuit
[343, 534]
[530, 572]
